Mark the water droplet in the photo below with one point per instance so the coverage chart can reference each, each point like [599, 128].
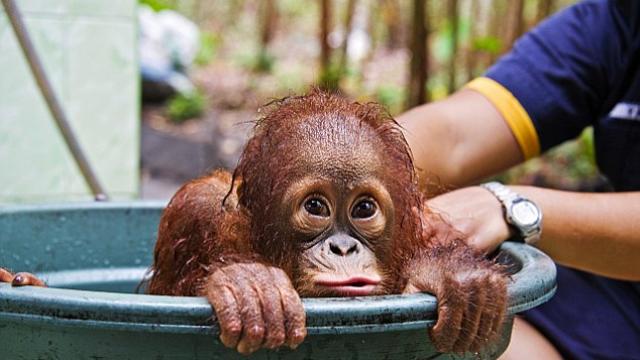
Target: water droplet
[137, 261]
[106, 262]
[47, 248]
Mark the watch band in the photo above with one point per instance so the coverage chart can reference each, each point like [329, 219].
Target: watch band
[509, 199]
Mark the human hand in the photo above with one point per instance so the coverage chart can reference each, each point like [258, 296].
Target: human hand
[256, 306]
[476, 213]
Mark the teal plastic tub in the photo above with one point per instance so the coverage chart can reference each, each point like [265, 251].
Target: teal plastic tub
[94, 255]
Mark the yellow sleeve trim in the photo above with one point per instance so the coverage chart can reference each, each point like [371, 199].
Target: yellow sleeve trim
[512, 111]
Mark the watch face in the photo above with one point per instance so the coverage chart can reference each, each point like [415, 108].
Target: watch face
[525, 213]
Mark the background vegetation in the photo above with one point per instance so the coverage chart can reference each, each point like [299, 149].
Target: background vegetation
[400, 53]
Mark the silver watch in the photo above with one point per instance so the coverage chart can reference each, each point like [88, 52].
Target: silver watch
[521, 213]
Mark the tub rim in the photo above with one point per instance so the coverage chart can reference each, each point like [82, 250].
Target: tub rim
[533, 285]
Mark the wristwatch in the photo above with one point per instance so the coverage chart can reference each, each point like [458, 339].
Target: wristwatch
[519, 212]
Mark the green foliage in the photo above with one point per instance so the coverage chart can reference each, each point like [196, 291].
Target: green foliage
[442, 48]
[391, 97]
[158, 5]
[263, 62]
[330, 78]
[259, 62]
[290, 81]
[186, 106]
[209, 44]
[586, 144]
[490, 44]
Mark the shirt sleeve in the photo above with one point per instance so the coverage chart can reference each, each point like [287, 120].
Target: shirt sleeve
[555, 80]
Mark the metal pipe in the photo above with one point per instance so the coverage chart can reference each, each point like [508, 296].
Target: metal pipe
[53, 104]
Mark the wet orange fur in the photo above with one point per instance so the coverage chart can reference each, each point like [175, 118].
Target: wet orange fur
[223, 219]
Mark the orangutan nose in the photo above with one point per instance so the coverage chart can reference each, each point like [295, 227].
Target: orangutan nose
[343, 245]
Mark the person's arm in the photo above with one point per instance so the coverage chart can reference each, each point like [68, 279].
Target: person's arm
[464, 138]
[556, 81]
[458, 141]
[596, 232]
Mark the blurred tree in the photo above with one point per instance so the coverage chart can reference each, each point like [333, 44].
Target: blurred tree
[417, 82]
[472, 55]
[348, 26]
[390, 12]
[325, 28]
[496, 22]
[269, 20]
[452, 15]
[514, 26]
[545, 8]
[329, 75]
[269, 13]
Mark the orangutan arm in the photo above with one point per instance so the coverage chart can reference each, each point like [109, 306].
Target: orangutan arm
[203, 249]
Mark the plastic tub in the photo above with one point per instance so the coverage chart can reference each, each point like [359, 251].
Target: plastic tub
[94, 255]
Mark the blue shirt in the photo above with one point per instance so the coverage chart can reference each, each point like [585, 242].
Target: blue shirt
[581, 67]
[578, 68]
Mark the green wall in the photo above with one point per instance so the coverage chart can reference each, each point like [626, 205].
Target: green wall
[89, 49]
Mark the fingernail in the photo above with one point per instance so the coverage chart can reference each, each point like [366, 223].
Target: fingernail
[18, 279]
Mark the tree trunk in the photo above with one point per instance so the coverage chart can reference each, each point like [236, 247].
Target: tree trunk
[514, 26]
[545, 8]
[393, 23]
[348, 27]
[325, 28]
[269, 18]
[416, 93]
[452, 14]
[496, 21]
[471, 59]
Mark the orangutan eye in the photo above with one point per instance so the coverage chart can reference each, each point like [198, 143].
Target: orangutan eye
[317, 207]
[364, 209]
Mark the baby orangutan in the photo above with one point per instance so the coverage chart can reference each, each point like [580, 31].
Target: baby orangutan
[324, 202]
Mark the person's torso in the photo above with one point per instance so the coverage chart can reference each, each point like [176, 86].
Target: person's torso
[617, 130]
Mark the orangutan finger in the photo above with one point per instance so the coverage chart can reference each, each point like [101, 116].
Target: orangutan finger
[295, 317]
[228, 315]
[451, 308]
[272, 312]
[473, 314]
[500, 310]
[25, 279]
[253, 327]
[5, 276]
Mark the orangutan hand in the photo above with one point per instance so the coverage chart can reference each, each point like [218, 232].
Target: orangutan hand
[256, 306]
[472, 301]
